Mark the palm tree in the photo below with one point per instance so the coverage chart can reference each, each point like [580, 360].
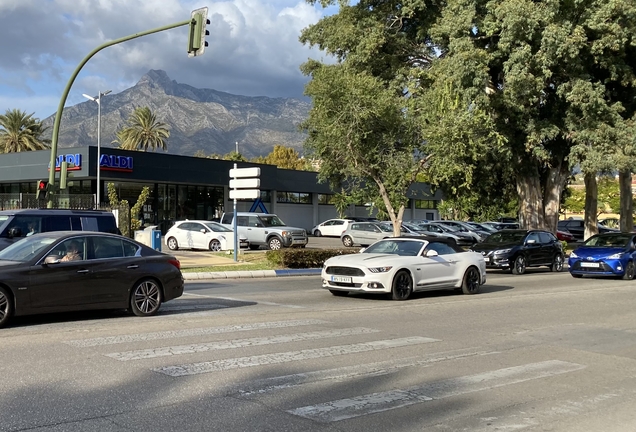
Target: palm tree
[142, 131]
[20, 131]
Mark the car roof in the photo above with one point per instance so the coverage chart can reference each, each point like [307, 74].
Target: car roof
[48, 212]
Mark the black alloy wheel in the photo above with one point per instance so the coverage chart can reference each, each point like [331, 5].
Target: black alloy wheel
[519, 266]
[145, 298]
[6, 306]
[402, 286]
[629, 271]
[557, 263]
[470, 283]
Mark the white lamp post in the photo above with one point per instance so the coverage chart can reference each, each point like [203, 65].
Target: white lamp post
[98, 100]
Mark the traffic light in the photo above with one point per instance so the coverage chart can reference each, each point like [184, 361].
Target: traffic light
[196, 37]
[43, 187]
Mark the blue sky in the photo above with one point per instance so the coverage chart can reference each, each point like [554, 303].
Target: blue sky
[253, 48]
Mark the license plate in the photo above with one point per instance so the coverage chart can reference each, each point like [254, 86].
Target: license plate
[299, 241]
[587, 264]
[342, 279]
[487, 259]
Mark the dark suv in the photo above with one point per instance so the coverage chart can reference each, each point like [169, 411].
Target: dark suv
[17, 224]
[576, 227]
[515, 250]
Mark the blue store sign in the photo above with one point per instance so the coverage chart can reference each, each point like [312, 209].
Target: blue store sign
[116, 163]
[74, 162]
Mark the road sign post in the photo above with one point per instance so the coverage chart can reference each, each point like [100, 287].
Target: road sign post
[244, 184]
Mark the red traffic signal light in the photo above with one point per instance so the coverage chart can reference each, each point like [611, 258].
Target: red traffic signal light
[43, 186]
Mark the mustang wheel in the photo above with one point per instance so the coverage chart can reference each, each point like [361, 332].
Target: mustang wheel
[519, 266]
[347, 241]
[629, 271]
[557, 264]
[6, 307]
[173, 244]
[274, 243]
[470, 284]
[215, 245]
[317, 233]
[339, 293]
[145, 298]
[402, 286]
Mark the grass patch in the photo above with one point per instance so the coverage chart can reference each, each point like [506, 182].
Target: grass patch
[247, 262]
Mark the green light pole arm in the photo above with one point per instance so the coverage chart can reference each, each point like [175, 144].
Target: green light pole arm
[67, 89]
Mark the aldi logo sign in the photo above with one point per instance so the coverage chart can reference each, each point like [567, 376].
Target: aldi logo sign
[74, 162]
[116, 163]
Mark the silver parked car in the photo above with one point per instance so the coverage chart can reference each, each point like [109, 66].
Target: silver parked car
[365, 233]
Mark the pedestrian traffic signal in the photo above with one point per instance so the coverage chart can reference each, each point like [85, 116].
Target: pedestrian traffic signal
[196, 37]
[43, 187]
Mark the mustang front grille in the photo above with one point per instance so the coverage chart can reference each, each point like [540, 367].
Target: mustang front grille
[344, 271]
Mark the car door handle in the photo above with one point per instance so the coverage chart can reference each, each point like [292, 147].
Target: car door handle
[83, 271]
[134, 266]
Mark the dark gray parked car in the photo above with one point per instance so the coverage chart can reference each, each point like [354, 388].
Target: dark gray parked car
[70, 271]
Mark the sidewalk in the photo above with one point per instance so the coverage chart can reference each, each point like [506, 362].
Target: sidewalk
[191, 259]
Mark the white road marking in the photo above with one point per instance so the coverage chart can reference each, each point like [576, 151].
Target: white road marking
[290, 356]
[346, 373]
[383, 401]
[111, 340]
[236, 343]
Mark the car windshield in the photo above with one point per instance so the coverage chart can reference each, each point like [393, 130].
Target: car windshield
[447, 228]
[506, 237]
[614, 240]
[386, 227]
[216, 227]
[396, 247]
[272, 221]
[26, 249]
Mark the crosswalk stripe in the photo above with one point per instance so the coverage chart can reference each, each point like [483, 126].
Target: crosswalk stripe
[290, 356]
[112, 340]
[236, 343]
[345, 373]
[384, 401]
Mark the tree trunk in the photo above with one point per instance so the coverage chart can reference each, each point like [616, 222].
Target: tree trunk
[557, 177]
[591, 205]
[531, 212]
[396, 219]
[627, 206]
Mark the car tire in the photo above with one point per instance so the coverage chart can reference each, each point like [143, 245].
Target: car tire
[173, 244]
[339, 293]
[254, 247]
[6, 306]
[145, 298]
[629, 271]
[471, 281]
[402, 286]
[275, 243]
[215, 245]
[317, 233]
[347, 241]
[519, 265]
[557, 263]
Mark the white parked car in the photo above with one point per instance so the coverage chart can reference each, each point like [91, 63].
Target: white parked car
[401, 265]
[331, 228]
[201, 234]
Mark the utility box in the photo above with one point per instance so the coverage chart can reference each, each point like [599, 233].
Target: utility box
[156, 240]
[143, 237]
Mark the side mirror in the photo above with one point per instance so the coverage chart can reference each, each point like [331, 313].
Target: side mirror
[203, 230]
[531, 241]
[52, 259]
[431, 253]
[14, 232]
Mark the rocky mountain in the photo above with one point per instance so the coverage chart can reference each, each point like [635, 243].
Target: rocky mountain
[199, 119]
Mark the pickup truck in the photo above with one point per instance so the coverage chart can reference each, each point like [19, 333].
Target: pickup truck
[264, 229]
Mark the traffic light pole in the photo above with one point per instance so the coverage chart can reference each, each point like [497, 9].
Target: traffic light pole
[67, 89]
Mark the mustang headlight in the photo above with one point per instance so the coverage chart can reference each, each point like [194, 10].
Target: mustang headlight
[380, 269]
[573, 255]
[502, 251]
[616, 256]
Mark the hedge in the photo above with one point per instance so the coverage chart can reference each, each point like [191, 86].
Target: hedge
[294, 258]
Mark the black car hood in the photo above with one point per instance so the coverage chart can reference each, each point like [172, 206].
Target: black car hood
[4, 263]
[487, 247]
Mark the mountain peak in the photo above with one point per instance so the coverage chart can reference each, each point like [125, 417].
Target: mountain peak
[157, 77]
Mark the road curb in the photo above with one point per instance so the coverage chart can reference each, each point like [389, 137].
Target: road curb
[251, 274]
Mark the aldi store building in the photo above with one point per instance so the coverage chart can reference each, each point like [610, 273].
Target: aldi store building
[184, 187]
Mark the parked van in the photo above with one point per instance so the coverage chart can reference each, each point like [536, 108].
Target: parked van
[16, 224]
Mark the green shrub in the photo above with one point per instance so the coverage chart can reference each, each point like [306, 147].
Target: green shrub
[304, 258]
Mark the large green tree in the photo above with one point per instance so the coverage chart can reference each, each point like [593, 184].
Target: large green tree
[283, 157]
[143, 131]
[20, 131]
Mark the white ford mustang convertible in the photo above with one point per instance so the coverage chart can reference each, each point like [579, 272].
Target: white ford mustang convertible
[399, 266]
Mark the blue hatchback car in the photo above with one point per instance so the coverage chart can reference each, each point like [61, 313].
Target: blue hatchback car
[609, 254]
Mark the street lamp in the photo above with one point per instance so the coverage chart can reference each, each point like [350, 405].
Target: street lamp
[98, 100]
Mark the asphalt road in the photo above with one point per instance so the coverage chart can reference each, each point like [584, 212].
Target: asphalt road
[538, 352]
